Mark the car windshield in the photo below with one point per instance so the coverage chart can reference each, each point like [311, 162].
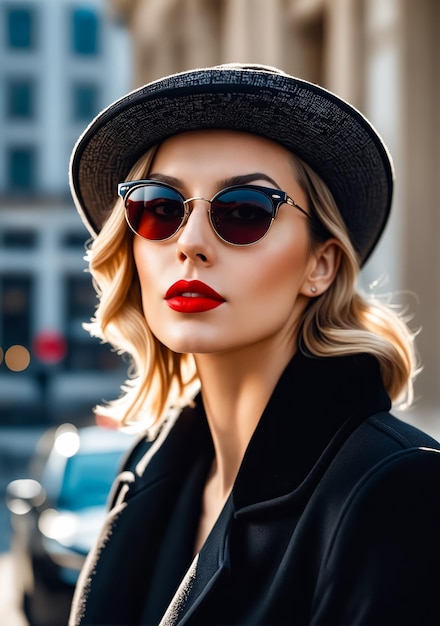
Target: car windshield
[88, 479]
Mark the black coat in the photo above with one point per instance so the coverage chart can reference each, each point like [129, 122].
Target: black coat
[334, 518]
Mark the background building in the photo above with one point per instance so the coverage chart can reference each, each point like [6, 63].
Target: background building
[62, 60]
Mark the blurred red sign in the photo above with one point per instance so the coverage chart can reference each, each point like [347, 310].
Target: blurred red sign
[50, 347]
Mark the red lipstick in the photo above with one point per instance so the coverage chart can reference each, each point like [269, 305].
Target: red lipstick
[192, 296]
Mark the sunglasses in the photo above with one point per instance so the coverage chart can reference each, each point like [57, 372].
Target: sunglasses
[239, 215]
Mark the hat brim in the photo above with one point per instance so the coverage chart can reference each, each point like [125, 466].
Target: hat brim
[330, 135]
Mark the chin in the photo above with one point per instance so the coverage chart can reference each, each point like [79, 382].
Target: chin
[189, 343]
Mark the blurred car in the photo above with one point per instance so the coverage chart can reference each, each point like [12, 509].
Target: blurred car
[57, 512]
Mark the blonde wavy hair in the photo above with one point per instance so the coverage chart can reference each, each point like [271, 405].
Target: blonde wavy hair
[339, 322]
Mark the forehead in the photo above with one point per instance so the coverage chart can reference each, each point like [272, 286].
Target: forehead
[221, 153]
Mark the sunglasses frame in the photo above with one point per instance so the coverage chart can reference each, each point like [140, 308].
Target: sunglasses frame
[276, 196]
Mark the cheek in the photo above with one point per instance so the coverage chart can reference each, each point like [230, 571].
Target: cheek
[281, 271]
[266, 299]
[148, 267]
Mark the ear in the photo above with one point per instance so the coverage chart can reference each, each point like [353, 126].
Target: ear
[325, 263]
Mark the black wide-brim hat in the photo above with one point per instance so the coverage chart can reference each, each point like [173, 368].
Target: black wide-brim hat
[326, 132]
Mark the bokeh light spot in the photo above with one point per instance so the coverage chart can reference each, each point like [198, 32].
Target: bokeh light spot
[67, 441]
[17, 358]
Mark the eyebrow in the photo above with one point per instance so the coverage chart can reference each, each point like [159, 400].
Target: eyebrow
[241, 179]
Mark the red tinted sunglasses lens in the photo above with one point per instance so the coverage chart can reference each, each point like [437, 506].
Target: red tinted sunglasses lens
[241, 216]
[154, 212]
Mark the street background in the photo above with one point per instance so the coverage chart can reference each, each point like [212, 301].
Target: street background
[16, 448]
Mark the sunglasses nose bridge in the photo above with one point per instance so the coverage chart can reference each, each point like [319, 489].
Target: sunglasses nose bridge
[188, 200]
[188, 210]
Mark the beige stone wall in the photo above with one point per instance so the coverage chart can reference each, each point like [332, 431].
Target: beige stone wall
[383, 56]
[420, 184]
[174, 35]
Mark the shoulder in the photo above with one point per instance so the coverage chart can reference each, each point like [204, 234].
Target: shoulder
[384, 547]
[394, 497]
[390, 460]
[391, 518]
[402, 433]
[377, 439]
[374, 442]
[402, 491]
[386, 475]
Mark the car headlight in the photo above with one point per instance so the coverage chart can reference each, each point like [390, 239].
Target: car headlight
[61, 527]
[24, 494]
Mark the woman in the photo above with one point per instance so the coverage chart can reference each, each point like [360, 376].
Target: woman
[274, 486]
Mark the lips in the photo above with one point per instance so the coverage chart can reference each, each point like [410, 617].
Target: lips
[192, 297]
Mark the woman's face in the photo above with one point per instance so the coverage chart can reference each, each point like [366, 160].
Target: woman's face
[260, 289]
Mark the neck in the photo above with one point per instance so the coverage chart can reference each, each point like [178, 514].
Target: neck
[235, 390]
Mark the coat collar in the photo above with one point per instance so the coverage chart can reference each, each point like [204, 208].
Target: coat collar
[315, 405]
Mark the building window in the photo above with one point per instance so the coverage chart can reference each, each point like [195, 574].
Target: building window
[18, 239]
[21, 169]
[84, 102]
[20, 25]
[85, 32]
[84, 352]
[20, 94]
[15, 311]
[75, 240]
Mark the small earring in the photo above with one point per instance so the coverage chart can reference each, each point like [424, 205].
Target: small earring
[313, 289]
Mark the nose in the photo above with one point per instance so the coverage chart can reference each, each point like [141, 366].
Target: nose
[197, 239]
